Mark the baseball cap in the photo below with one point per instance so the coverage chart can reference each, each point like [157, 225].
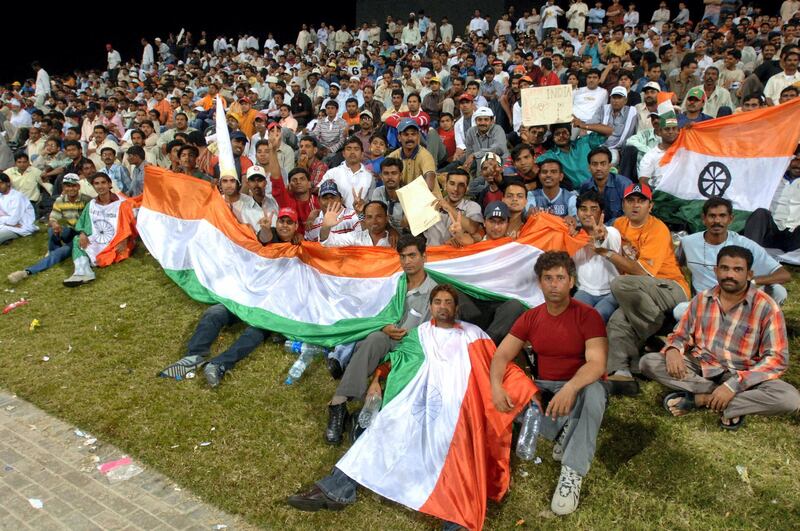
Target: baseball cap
[465, 96]
[526, 79]
[287, 212]
[245, 100]
[668, 121]
[71, 178]
[619, 91]
[483, 112]
[652, 85]
[365, 113]
[238, 135]
[335, 84]
[405, 123]
[271, 79]
[696, 92]
[261, 116]
[492, 156]
[273, 125]
[355, 78]
[329, 188]
[641, 189]
[496, 209]
[256, 171]
[435, 79]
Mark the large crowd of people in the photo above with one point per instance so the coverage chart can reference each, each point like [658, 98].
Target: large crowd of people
[326, 130]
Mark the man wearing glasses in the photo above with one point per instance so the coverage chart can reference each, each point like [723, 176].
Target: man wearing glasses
[699, 254]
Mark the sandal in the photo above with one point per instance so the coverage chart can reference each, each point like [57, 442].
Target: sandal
[733, 426]
[686, 404]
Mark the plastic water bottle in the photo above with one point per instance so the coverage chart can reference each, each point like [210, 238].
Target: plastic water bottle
[531, 423]
[371, 407]
[306, 354]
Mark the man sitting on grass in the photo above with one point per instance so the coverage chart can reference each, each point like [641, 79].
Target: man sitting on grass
[570, 343]
[728, 351]
[17, 217]
[218, 316]
[67, 208]
[106, 232]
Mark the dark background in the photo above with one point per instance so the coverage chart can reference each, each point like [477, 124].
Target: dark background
[72, 36]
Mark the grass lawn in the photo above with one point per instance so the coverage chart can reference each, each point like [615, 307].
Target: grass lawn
[651, 471]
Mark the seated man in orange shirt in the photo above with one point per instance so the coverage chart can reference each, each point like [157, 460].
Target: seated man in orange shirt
[650, 284]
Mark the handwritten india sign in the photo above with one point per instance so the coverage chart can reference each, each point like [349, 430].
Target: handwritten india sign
[546, 105]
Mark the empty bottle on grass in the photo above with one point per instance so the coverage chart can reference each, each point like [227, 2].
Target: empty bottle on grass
[371, 407]
[306, 354]
[531, 423]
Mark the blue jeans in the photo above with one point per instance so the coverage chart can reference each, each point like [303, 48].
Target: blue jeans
[59, 247]
[208, 329]
[343, 353]
[604, 304]
[338, 486]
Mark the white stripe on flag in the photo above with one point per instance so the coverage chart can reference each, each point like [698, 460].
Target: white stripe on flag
[750, 183]
[286, 287]
[505, 270]
[405, 466]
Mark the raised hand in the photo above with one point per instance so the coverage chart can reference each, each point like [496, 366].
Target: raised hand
[358, 201]
[266, 222]
[331, 218]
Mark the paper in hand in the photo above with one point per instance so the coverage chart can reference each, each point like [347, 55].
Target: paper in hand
[417, 202]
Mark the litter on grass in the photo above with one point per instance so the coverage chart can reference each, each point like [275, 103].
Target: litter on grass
[123, 305]
[205, 443]
[36, 503]
[46, 358]
[33, 325]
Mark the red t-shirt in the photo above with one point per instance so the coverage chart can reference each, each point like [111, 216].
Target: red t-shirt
[449, 141]
[559, 342]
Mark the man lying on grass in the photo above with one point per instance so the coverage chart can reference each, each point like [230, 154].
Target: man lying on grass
[728, 350]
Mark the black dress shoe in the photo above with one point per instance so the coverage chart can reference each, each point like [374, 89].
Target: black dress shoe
[335, 368]
[337, 417]
[314, 500]
[622, 385]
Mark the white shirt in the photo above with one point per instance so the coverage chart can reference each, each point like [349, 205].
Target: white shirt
[42, 83]
[361, 181]
[355, 238]
[550, 16]
[777, 83]
[586, 102]
[479, 25]
[16, 209]
[147, 55]
[596, 272]
[649, 166]
[114, 59]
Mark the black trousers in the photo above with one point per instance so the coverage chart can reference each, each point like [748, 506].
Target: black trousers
[761, 228]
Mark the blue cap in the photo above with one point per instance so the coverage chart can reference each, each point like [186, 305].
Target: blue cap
[329, 187]
[238, 135]
[496, 209]
[405, 123]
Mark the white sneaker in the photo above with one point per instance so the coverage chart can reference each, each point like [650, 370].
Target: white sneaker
[77, 280]
[17, 276]
[567, 493]
[558, 445]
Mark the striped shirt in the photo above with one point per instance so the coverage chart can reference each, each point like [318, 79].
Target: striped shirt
[348, 221]
[331, 134]
[68, 211]
[749, 341]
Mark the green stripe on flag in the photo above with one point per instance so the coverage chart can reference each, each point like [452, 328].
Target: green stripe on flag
[407, 357]
[473, 291]
[677, 211]
[341, 332]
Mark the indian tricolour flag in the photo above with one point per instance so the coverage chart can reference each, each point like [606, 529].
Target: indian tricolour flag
[438, 444]
[326, 296]
[741, 157]
[106, 227]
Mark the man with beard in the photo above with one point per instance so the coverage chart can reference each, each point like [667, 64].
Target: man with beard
[416, 159]
[728, 351]
[455, 206]
[716, 97]
[648, 106]
[695, 99]
[572, 153]
[699, 254]
[391, 174]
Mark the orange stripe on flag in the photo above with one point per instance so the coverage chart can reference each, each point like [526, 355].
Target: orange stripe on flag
[477, 464]
[770, 132]
[188, 198]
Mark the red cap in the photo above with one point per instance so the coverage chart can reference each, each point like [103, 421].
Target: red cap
[245, 100]
[289, 213]
[466, 96]
[641, 189]
[272, 125]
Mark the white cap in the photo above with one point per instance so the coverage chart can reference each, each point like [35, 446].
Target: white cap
[256, 170]
[355, 78]
[485, 111]
[619, 91]
[652, 85]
